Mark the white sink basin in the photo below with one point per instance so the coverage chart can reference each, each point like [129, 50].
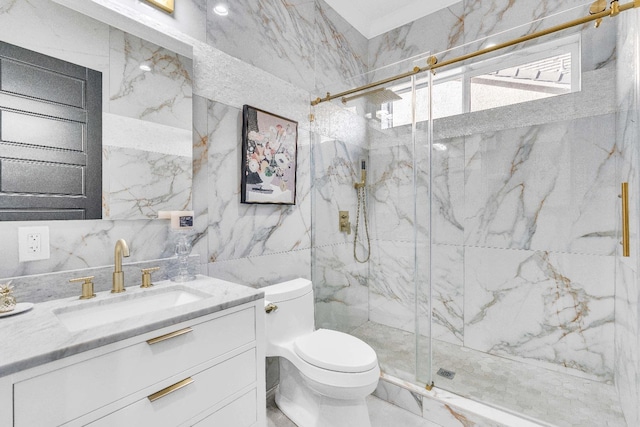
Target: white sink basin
[98, 313]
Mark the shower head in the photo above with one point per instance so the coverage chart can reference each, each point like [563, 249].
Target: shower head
[597, 7]
[376, 97]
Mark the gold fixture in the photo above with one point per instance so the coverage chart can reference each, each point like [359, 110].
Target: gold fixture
[615, 8]
[169, 336]
[343, 222]
[360, 95]
[361, 194]
[363, 179]
[625, 219]
[118, 276]
[376, 96]
[7, 300]
[270, 308]
[598, 6]
[613, 11]
[429, 387]
[329, 97]
[146, 276]
[166, 5]
[87, 286]
[166, 391]
[312, 117]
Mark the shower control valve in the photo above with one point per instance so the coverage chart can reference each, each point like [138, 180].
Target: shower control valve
[344, 224]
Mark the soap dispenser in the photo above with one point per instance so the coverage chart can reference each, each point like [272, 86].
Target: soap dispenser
[181, 225]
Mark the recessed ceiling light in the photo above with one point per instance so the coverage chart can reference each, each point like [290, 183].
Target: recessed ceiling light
[221, 10]
[145, 67]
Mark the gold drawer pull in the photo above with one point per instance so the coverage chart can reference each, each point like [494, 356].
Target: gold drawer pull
[165, 391]
[169, 336]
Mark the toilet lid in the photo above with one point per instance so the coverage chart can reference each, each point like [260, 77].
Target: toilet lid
[336, 351]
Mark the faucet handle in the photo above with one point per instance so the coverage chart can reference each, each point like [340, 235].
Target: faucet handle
[146, 276]
[87, 286]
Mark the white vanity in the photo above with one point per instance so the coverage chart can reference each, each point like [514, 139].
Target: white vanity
[190, 355]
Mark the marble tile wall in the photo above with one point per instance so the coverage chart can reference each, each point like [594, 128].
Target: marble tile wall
[340, 282]
[544, 307]
[248, 234]
[303, 42]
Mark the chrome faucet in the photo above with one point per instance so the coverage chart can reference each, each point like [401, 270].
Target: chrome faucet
[118, 276]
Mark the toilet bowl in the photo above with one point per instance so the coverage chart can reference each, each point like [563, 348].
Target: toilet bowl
[325, 375]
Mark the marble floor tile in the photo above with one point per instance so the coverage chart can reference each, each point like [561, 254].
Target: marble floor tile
[549, 396]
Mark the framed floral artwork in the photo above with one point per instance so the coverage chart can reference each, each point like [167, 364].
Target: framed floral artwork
[269, 158]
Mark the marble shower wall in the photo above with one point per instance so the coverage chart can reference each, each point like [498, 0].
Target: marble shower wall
[340, 283]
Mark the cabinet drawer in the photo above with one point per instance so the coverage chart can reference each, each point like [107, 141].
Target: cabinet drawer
[67, 393]
[239, 413]
[208, 388]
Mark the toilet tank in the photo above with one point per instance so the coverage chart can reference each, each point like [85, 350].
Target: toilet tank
[294, 316]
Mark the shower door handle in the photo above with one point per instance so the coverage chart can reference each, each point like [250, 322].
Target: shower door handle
[625, 219]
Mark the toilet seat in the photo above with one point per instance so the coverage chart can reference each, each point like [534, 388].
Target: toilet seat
[336, 351]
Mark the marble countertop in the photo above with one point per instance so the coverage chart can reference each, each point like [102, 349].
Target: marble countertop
[37, 337]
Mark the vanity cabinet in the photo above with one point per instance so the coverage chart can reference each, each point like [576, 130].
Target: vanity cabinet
[207, 371]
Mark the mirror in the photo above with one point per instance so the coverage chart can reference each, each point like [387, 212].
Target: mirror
[146, 104]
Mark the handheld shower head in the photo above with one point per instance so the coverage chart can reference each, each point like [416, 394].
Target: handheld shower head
[363, 174]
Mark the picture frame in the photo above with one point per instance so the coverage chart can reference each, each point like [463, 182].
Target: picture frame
[269, 158]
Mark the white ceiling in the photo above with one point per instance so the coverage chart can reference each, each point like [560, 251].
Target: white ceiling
[375, 17]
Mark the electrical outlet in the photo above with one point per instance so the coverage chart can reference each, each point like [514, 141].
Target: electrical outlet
[33, 243]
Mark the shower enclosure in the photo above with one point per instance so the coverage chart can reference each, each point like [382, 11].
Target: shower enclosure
[493, 191]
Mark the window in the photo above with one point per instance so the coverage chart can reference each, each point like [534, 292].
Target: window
[529, 74]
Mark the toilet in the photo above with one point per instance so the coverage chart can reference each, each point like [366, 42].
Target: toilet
[325, 375]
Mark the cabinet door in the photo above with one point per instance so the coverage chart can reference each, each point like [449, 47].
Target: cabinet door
[208, 388]
[239, 413]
